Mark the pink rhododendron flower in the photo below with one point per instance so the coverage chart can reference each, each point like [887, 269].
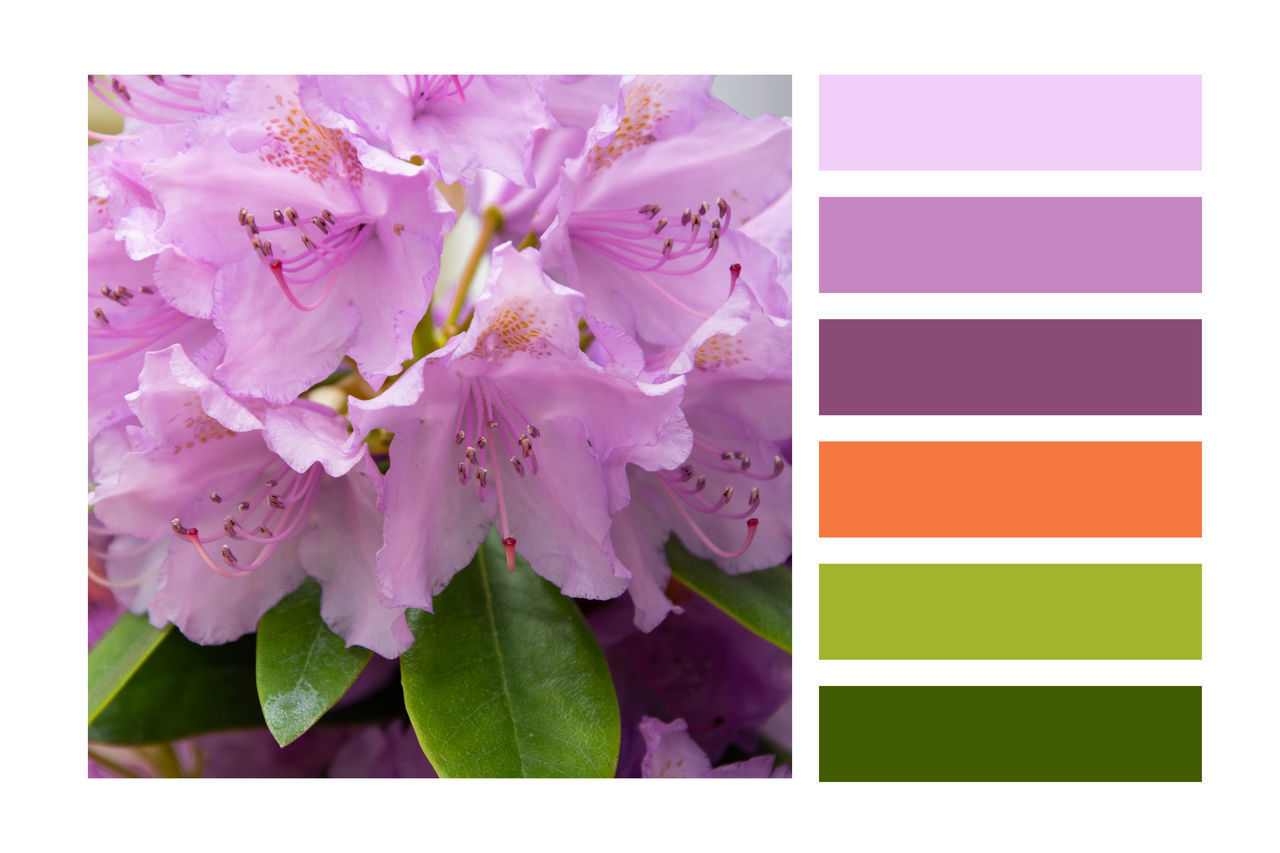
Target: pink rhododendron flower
[295, 229]
[511, 423]
[458, 123]
[737, 404]
[127, 318]
[249, 496]
[671, 754]
[615, 372]
[645, 217]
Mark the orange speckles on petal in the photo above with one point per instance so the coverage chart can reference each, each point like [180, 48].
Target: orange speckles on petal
[305, 148]
[515, 327]
[200, 427]
[641, 112]
[719, 351]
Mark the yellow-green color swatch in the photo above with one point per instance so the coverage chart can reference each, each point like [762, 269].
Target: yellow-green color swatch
[1009, 612]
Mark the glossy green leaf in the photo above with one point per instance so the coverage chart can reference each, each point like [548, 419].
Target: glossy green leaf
[506, 679]
[118, 655]
[302, 667]
[759, 601]
[182, 690]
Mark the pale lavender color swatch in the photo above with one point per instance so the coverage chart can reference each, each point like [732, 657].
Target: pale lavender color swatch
[1009, 122]
[1009, 245]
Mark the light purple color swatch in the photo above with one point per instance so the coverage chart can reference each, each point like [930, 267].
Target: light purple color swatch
[1009, 245]
[1008, 122]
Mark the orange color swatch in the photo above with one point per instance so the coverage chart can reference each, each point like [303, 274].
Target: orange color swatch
[1009, 488]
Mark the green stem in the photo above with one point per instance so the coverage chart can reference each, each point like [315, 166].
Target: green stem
[490, 222]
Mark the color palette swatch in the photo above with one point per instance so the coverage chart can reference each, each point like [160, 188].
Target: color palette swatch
[1009, 367]
[1009, 488]
[1009, 612]
[1009, 245]
[985, 363]
[1000, 122]
[1009, 734]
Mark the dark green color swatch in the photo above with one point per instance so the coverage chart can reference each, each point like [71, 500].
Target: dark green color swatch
[1009, 734]
[1009, 611]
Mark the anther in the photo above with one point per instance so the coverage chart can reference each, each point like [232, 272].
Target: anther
[728, 493]
[667, 246]
[515, 463]
[275, 501]
[176, 524]
[755, 495]
[686, 216]
[460, 437]
[145, 289]
[102, 317]
[482, 442]
[471, 455]
[700, 484]
[278, 215]
[106, 291]
[229, 557]
[722, 206]
[230, 525]
[778, 464]
[266, 250]
[291, 215]
[526, 445]
[715, 225]
[493, 424]
[215, 497]
[320, 223]
[482, 474]
[251, 224]
[122, 292]
[532, 431]
[244, 213]
[263, 530]
[327, 215]
[462, 473]
[156, 78]
[702, 209]
[728, 456]
[714, 241]
[271, 484]
[243, 506]
[306, 241]
[662, 223]
[746, 461]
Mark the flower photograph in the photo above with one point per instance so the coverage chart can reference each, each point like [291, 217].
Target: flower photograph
[439, 426]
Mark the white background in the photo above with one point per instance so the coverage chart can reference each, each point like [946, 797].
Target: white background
[1232, 44]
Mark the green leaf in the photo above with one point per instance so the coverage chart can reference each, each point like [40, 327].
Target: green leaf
[759, 601]
[117, 656]
[302, 667]
[506, 679]
[182, 690]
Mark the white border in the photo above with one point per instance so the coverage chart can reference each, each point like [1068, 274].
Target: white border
[1230, 42]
